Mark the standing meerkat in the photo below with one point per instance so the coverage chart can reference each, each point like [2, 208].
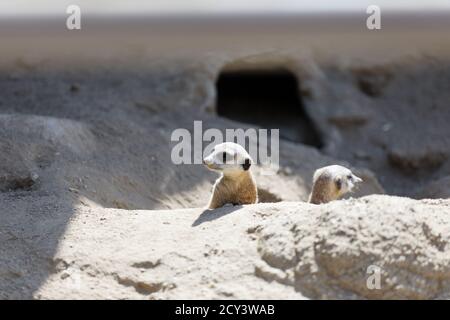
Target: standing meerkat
[331, 183]
[236, 184]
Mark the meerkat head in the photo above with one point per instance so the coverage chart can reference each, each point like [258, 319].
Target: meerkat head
[228, 158]
[343, 180]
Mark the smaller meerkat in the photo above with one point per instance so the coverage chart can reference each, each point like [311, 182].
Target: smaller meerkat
[236, 184]
[332, 182]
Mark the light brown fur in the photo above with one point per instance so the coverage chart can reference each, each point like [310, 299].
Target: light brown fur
[324, 190]
[236, 189]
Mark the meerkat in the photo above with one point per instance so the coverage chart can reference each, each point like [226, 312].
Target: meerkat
[236, 184]
[332, 182]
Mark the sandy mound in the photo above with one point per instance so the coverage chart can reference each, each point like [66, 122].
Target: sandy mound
[283, 250]
[328, 252]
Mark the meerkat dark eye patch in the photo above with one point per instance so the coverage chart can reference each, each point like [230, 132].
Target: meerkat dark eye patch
[246, 164]
[349, 177]
[338, 184]
[224, 157]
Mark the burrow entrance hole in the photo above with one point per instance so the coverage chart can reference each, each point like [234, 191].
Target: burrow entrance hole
[269, 99]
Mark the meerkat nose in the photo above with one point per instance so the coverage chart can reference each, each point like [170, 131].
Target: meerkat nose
[358, 179]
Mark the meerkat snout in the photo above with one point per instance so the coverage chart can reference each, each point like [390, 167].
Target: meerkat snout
[347, 184]
[236, 184]
[332, 182]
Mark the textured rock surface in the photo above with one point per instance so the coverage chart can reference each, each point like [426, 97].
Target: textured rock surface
[326, 252]
[289, 250]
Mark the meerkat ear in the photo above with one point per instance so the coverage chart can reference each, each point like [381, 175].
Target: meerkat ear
[339, 183]
[246, 164]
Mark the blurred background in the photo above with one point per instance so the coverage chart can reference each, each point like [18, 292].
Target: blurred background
[201, 25]
[208, 6]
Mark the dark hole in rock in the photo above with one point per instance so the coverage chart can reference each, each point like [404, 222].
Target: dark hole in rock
[269, 99]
